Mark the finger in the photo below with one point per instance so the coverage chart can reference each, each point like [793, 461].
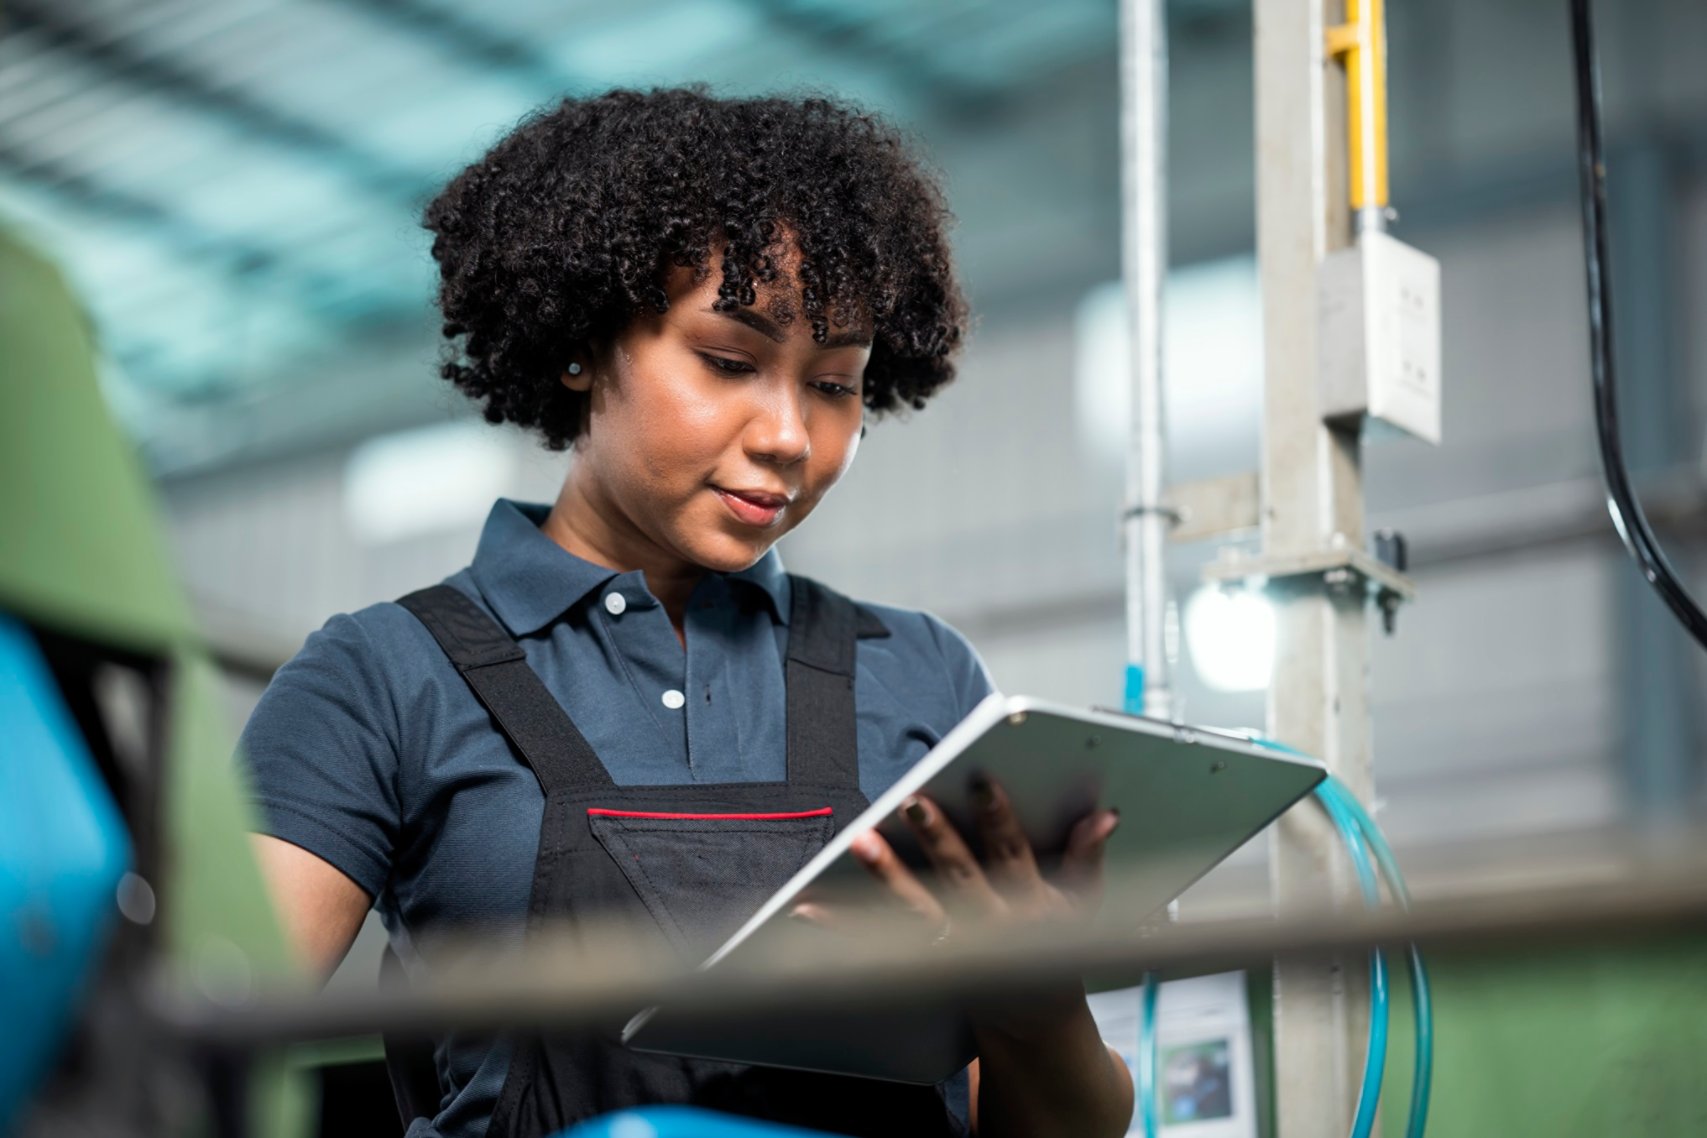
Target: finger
[1008, 857]
[961, 877]
[850, 924]
[891, 872]
[827, 917]
[1081, 864]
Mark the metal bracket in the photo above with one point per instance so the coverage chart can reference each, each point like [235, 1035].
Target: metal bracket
[1167, 513]
[1341, 567]
[1213, 507]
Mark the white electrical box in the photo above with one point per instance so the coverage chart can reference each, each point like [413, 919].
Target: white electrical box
[1380, 337]
[1205, 1074]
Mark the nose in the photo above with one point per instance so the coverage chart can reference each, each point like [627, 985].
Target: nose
[777, 432]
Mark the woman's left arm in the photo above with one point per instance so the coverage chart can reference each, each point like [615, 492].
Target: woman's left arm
[1042, 1067]
[1056, 1077]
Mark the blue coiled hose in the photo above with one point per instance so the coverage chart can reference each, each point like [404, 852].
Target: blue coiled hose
[1375, 1057]
[1147, 1056]
[1422, 999]
[1361, 836]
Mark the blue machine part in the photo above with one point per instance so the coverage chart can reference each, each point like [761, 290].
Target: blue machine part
[682, 1122]
[63, 850]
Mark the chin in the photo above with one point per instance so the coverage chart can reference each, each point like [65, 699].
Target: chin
[726, 553]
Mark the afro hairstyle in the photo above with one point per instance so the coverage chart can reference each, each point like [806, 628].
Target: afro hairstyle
[570, 225]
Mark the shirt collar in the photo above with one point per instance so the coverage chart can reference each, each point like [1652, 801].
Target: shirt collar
[768, 577]
[530, 580]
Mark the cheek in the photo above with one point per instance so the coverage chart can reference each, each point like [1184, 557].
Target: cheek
[666, 424]
[850, 448]
[674, 401]
[833, 451]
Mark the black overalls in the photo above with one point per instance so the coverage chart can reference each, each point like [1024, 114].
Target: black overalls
[699, 858]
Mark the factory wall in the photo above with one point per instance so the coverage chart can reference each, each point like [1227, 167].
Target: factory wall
[1497, 707]
[1494, 704]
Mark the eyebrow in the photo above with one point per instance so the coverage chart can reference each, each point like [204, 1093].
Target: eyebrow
[769, 329]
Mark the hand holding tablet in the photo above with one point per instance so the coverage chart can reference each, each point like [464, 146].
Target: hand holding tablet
[1025, 811]
[988, 878]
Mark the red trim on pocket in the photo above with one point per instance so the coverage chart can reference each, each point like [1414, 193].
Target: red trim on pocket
[599, 812]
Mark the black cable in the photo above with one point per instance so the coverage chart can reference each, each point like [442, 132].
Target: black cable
[1621, 502]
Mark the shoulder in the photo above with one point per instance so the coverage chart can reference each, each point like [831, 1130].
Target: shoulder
[323, 747]
[923, 653]
[916, 630]
[378, 643]
[365, 662]
[384, 636]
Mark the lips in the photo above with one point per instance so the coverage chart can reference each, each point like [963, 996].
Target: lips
[754, 507]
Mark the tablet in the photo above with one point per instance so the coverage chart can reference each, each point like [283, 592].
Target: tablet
[1187, 798]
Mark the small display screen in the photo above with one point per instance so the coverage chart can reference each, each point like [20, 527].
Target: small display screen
[1197, 1083]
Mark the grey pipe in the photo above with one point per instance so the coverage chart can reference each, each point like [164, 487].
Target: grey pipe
[1144, 264]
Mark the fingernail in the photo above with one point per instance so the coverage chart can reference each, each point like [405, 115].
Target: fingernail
[983, 794]
[915, 811]
[864, 847]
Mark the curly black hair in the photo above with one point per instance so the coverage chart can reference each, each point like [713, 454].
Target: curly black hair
[567, 228]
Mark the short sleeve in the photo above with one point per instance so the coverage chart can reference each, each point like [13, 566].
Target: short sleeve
[968, 678]
[321, 751]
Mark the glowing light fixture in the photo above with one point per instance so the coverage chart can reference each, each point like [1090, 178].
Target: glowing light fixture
[1231, 636]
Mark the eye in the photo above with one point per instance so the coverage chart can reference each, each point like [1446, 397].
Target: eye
[725, 366]
[833, 389]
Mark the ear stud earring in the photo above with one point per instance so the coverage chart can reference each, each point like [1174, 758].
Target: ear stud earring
[574, 369]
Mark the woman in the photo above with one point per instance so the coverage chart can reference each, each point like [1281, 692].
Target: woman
[701, 298]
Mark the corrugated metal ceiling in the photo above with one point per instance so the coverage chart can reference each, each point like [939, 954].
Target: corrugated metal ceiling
[234, 184]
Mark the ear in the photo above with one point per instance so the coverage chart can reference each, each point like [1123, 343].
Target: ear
[577, 376]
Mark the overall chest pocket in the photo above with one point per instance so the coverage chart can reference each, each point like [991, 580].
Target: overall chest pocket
[701, 875]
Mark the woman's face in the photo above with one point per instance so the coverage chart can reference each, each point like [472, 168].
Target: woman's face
[711, 434]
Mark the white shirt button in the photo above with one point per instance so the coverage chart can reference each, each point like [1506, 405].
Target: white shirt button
[615, 604]
[674, 699]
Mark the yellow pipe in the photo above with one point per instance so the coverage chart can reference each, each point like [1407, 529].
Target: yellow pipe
[1362, 41]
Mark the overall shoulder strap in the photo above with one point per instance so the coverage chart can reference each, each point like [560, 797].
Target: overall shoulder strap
[824, 628]
[497, 669]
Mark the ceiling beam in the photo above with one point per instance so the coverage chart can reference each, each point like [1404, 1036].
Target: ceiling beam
[918, 71]
[252, 116]
[916, 68]
[257, 269]
[239, 258]
[472, 40]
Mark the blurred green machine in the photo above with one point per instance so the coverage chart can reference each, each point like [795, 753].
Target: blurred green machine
[1568, 1041]
[84, 570]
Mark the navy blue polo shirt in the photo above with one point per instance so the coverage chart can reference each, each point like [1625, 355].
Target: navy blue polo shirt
[369, 750]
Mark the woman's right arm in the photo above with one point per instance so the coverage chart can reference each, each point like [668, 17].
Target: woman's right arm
[320, 752]
[320, 909]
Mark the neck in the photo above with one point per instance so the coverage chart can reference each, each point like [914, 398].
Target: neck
[593, 529]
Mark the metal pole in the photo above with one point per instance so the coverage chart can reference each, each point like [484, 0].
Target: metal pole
[1312, 499]
[1144, 263]
[1144, 266]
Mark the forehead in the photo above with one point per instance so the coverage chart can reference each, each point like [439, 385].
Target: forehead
[782, 298]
